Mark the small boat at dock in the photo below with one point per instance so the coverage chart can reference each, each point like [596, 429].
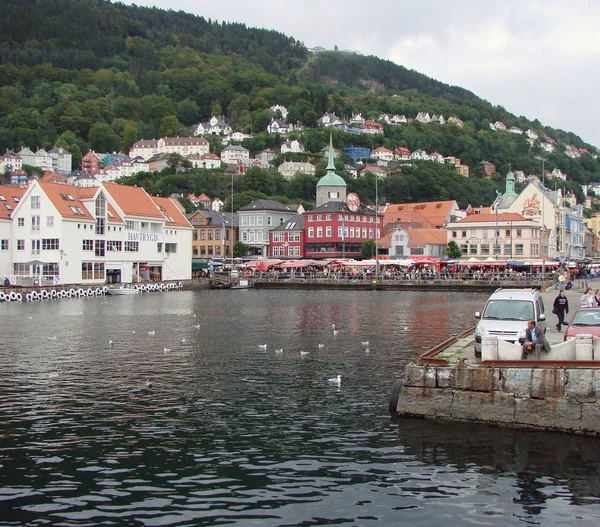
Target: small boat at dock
[125, 288]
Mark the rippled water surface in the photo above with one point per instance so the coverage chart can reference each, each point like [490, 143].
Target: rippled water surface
[230, 433]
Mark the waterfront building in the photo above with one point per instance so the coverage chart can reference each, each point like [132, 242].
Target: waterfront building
[257, 219]
[506, 236]
[408, 242]
[110, 233]
[430, 214]
[287, 240]
[91, 163]
[214, 233]
[10, 162]
[335, 228]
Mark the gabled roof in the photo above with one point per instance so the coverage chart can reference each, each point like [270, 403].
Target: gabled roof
[133, 201]
[295, 223]
[432, 214]
[173, 216]
[10, 196]
[427, 236]
[66, 199]
[217, 218]
[267, 204]
[340, 206]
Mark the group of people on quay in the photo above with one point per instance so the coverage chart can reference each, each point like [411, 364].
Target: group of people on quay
[551, 272]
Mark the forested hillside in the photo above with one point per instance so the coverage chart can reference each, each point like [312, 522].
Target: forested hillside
[91, 74]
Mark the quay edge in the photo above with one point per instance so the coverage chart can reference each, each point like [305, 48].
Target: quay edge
[551, 395]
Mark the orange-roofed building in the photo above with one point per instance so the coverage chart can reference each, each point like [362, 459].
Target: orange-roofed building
[415, 242]
[430, 214]
[505, 236]
[65, 234]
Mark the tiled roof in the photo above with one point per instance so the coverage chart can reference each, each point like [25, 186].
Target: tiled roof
[296, 223]
[133, 201]
[173, 216]
[427, 236]
[66, 200]
[432, 213]
[10, 196]
[486, 218]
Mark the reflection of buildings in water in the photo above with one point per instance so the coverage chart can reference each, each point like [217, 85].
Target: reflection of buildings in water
[540, 466]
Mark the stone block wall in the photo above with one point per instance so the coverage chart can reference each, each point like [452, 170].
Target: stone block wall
[566, 399]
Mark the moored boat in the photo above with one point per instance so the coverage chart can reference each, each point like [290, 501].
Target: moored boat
[125, 288]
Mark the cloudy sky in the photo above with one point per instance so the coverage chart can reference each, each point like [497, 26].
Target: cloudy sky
[536, 58]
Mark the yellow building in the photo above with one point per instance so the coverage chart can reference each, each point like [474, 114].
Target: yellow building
[593, 224]
[208, 242]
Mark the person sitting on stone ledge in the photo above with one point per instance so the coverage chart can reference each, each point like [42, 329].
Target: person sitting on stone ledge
[534, 342]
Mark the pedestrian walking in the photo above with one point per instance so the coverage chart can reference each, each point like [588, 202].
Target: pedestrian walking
[560, 307]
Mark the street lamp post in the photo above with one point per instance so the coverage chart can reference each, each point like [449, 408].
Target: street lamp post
[542, 229]
[376, 231]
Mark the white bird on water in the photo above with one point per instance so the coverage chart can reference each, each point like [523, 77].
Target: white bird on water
[335, 332]
[110, 342]
[336, 380]
[197, 326]
[52, 338]
[367, 350]
[151, 332]
[321, 346]
[183, 339]
[167, 349]
[302, 353]
[262, 346]
[280, 350]
[333, 326]
[133, 331]
[365, 343]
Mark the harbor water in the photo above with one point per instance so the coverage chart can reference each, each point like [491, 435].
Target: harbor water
[218, 408]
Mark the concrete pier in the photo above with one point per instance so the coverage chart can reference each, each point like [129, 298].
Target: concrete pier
[560, 392]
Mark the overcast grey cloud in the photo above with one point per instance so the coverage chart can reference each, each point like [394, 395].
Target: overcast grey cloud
[536, 58]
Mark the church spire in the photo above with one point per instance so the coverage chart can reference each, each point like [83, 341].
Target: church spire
[330, 164]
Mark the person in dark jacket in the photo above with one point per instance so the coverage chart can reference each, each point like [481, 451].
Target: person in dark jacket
[534, 342]
[560, 307]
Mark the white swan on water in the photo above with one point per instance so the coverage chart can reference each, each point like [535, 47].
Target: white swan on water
[365, 343]
[280, 350]
[302, 353]
[321, 346]
[335, 332]
[262, 346]
[151, 332]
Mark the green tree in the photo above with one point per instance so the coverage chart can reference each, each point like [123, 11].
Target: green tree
[239, 249]
[368, 249]
[176, 163]
[169, 126]
[129, 136]
[103, 139]
[452, 250]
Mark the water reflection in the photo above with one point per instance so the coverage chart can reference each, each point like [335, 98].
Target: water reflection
[231, 433]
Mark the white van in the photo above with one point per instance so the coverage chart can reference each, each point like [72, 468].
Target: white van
[506, 314]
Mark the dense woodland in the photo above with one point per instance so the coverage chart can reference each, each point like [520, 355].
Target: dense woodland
[90, 74]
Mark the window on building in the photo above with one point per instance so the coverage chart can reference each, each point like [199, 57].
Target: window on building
[50, 270]
[252, 221]
[50, 244]
[35, 223]
[99, 247]
[35, 202]
[507, 233]
[518, 249]
[171, 248]
[485, 249]
[519, 233]
[311, 232]
[244, 220]
[472, 248]
[20, 222]
[463, 234]
[210, 234]
[217, 234]
[49, 221]
[454, 233]
[99, 271]
[464, 248]
[281, 220]
[473, 233]
[217, 250]
[88, 245]
[195, 235]
[202, 234]
[210, 250]
[328, 232]
[132, 247]
[319, 232]
[130, 225]
[202, 250]
[87, 271]
[195, 251]
[370, 234]
[20, 245]
[507, 249]
[114, 246]
[3, 245]
[485, 233]
[159, 247]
